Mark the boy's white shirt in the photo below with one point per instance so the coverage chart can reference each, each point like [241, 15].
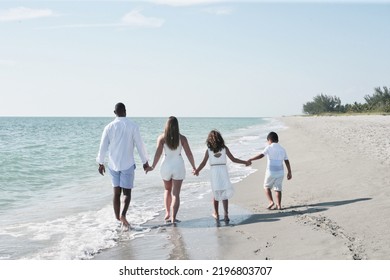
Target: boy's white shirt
[276, 154]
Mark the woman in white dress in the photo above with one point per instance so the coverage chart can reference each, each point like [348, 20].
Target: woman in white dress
[220, 182]
[172, 169]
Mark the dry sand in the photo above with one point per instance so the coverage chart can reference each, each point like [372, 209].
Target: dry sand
[336, 207]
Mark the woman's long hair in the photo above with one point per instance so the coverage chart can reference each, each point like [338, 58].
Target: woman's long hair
[215, 141]
[172, 133]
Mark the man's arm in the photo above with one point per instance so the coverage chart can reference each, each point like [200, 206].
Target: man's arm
[103, 148]
[104, 143]
[139, 144]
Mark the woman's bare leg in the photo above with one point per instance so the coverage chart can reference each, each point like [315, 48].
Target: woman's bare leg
[167, 199]
[176, 187]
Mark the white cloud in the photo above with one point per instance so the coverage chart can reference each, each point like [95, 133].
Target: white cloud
[133, 19]
[219, 11]
[136, 19]
[22, 13]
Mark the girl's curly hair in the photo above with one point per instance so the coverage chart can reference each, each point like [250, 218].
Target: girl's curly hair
[215, 141]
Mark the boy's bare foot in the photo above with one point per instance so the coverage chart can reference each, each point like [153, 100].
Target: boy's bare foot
[269, 207]
[216, 216]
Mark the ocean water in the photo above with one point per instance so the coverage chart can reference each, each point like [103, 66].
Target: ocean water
[55, 205]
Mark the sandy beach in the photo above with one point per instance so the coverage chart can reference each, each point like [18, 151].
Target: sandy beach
[336, 207]
[337, 204]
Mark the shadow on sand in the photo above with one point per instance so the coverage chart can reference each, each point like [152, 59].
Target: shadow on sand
[270, 216]
[298, 210]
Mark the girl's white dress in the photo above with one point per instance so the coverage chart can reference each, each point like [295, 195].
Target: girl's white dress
[220, 182]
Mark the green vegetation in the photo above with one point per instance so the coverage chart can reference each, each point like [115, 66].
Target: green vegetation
[378, 102]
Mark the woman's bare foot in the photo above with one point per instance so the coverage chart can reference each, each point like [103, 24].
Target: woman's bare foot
[270, 205]
[278, 207]
[167, 217]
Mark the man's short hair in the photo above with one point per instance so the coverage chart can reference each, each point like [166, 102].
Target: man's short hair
[120, 108]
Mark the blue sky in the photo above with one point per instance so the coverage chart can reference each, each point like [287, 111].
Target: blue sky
[193, 58]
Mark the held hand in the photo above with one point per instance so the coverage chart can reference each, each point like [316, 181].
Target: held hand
[248, 162]
[101, 169]
[149, 168]
[146, 166]
[195, 172]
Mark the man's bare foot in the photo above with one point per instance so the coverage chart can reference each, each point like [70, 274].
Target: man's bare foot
[270, 205]
[125, 222]
[226, 219]
[216, 216]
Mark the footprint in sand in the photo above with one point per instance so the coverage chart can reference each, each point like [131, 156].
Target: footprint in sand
[326, 224]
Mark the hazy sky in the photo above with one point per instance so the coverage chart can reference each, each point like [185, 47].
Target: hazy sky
[188, 58]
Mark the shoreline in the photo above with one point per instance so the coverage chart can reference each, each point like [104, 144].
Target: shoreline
[334, 208]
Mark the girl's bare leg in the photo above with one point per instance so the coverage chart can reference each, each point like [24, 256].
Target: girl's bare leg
[225, 209]
[216, 209]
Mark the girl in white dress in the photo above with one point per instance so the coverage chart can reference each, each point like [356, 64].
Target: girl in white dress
[220, 182]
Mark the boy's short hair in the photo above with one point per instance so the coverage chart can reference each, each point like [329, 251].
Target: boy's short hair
[273, 137]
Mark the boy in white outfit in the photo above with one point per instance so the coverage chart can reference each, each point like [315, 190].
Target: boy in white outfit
[274, 174]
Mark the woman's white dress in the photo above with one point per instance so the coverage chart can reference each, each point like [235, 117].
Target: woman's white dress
[220, 182]
[172, 165]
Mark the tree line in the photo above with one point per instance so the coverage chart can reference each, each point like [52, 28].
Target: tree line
[379, 101]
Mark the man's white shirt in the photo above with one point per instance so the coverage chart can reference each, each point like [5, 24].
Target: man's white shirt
[119, 139]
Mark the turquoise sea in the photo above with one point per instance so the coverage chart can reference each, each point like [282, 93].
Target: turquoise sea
[55, 205]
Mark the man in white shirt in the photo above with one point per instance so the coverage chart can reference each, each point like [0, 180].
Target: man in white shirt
[119, 139]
